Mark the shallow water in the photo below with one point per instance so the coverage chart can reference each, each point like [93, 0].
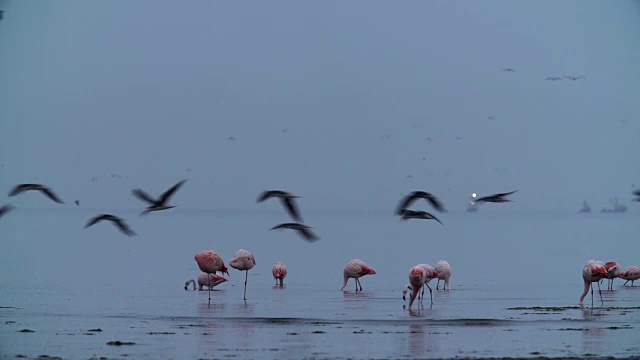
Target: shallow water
[65, 281]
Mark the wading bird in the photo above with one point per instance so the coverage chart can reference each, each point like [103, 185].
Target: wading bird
[207, 280]
[243, 261]
[632, 273]
[279, 272]
[356, 269]
[210, 262]
[444, 273]
[592, 272]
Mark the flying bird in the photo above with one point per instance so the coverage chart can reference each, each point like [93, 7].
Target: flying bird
[574, 78]
[5, 209]
[554, 78]
[593, 272]
[161, 202]
[411, 214]
[118, 222]
[495, 198]
[303, 230]
[508, 70]
[27, 187]
[287, 200]
[637, 194]
[414, 195]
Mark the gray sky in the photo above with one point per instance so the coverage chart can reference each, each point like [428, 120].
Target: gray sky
[365, 90]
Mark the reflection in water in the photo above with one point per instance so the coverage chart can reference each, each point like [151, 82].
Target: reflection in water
[593, 333]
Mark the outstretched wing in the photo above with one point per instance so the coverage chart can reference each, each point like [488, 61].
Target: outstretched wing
[21, 188]
[123, 227]
[140, 194]
[5, 209]
[270, 193]
[51, 195]
[95, 220]
[169, 193]
[308, 235]
[405, 202]
[292, 208]
[435, 202]
[504, 194]
[435, 218]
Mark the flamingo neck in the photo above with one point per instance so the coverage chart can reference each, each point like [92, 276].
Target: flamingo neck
[587, 285]
[186, 285]
[414, 293]
[346, 278]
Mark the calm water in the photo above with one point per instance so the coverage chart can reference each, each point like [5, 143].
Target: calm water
[61, 281]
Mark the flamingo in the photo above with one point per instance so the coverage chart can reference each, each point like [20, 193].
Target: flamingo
[632, 273]
[592, 272]
[243, 261]
[356, 268]
[613, 269]
[419, 276]
[444, 273]
[279, 272]
[213, 280]
[210, 262]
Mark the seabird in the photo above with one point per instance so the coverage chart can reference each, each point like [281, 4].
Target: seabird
[410, 214]
[508, 70]
[637, 194]
[574, 78]
[286, 199]
[495, 198]
[303, 230]
[554, 78]
[116, 221]
[5, 209]
[161, 202]
[45, 190]
[412, 196]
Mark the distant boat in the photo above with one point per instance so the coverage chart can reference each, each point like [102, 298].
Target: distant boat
[585, 207]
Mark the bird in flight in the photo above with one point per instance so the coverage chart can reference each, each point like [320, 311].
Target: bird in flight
[411, 214]
[303, 230]
[495, 198]
[637, 194]
[5, 209]
[118, 222]
[508, 70]
[414, 195]
[574, 78]
[287, 200]
[554, 78]
[45, 190]
[161, 202]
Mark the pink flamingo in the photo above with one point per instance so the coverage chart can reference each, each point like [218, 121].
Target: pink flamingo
[426, 273]
[444, 273]
[279, 272]
[613, 269]
[592, 272]
[210, 262]
[356, 268]
[243, 261]
[632, 273]
[203, 278]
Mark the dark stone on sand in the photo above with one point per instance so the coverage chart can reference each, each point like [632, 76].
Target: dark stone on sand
[9, 322]
[8, 307]
[316, 332]
[26, 331]
[292, 333]
[95, 330]
[162, 333]
[120, 343]
[49, 357]
[20, 356]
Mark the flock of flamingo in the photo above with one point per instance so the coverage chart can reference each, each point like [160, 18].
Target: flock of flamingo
[210, 262]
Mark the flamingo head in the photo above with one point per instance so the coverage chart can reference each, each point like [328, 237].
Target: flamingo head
[224, 270]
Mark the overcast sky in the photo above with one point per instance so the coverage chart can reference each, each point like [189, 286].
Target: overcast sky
[347, 104]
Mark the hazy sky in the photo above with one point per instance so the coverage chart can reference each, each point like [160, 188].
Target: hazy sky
[369, 92]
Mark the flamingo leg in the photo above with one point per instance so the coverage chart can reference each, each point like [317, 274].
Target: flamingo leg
[438, 285]
[600, 292]
[209, 287]
[422, 297]
[246, 277]
[430, 293]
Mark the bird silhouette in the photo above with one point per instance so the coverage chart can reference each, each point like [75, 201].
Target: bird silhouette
[574, 78]
[411, 214]
[287, 200]
[414, 195]
[6, 209]
[495, 198]
[39, 187]
[303, 230]
[553, 78]
[161, 202]
[118, 222]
